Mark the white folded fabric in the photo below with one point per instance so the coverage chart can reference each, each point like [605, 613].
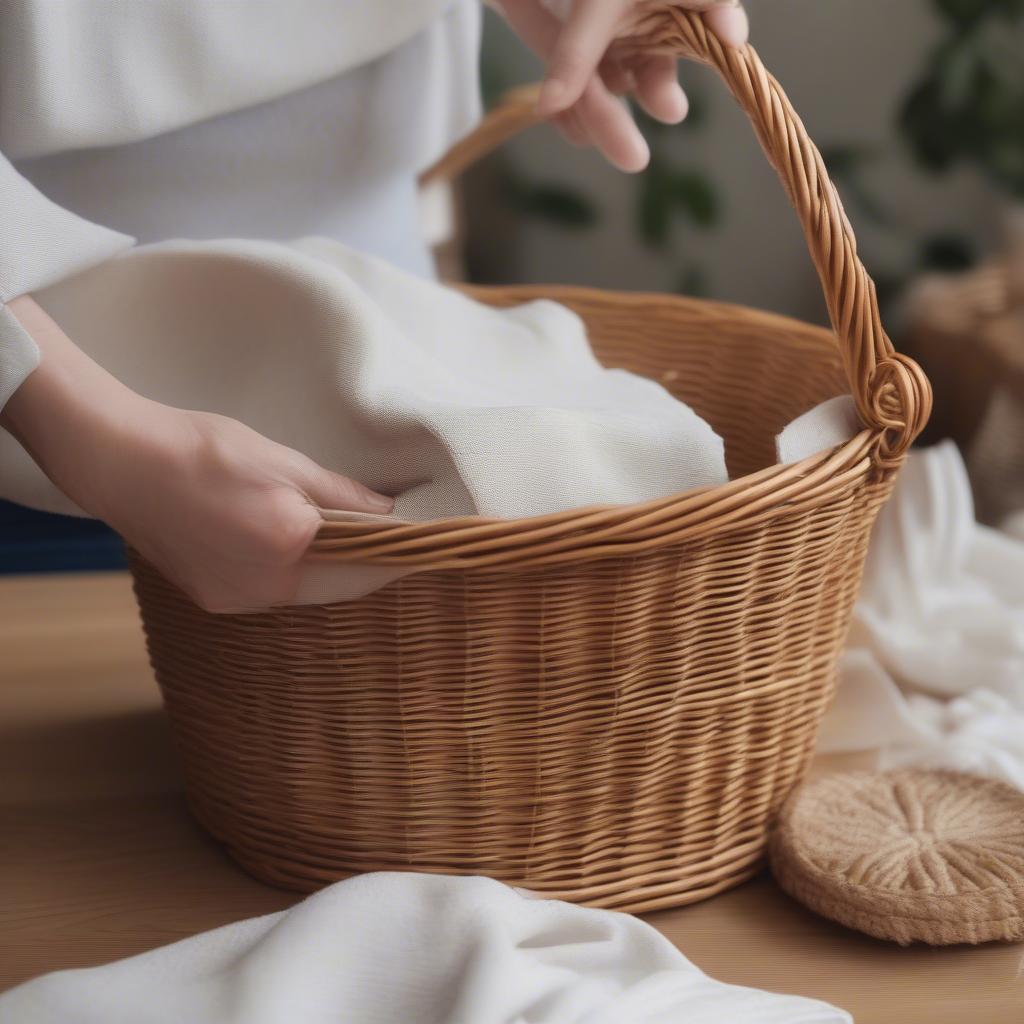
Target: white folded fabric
[831, 423]
[411, 949]
[452, 406]
[934, 670]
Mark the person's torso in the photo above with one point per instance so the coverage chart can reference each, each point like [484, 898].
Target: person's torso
[337, 156]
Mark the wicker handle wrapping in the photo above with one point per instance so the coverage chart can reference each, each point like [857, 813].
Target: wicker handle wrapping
[892, 393]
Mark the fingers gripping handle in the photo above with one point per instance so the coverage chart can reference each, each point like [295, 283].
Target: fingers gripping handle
[892, 393]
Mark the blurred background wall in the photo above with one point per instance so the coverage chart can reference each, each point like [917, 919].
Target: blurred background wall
[849, 67]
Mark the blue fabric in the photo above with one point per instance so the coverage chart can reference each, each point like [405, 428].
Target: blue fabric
[33, 541]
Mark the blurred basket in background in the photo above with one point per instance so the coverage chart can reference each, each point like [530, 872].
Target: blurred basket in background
[967, 331]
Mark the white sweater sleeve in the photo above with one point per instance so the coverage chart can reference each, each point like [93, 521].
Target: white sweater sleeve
[40, 243]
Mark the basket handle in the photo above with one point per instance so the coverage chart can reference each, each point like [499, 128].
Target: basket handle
[892, 394]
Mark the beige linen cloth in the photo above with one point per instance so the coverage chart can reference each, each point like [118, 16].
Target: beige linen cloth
[453, 407]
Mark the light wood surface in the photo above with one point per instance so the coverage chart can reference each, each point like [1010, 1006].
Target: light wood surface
[99, 859]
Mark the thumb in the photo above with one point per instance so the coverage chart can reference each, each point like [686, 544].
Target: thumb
[334, 491]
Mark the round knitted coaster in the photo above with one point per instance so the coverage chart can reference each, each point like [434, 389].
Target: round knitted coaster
[913, 855]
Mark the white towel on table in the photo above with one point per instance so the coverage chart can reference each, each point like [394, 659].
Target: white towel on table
[411, 949]
[934, 669]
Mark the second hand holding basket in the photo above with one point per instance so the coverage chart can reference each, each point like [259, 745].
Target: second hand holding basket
[603, 705]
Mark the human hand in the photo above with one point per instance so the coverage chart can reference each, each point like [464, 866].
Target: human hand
[218, 509]
[585, 75]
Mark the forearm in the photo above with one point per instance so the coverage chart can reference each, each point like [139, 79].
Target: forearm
[222, 511]
[67, 404]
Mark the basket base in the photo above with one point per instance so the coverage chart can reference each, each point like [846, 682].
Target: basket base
[646, 893]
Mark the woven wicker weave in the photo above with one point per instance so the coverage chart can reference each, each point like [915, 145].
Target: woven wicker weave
[603, 705]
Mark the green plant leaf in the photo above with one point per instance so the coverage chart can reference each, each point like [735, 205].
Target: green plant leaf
[931, 132]
[692, 281]
[842, 160]
[560, 205]
[551, 202]
[654, 205]
[964, 13]
[696, 195]
[969, 103]
[845, 165]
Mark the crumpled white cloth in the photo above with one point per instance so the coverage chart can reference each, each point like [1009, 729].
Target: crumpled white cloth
[828, 424]
[411, 949]
[454, 407]
[934, 668]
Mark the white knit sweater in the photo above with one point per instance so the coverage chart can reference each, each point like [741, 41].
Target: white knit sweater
[149, 119]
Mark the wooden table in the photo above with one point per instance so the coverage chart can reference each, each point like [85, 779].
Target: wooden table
[99, 859]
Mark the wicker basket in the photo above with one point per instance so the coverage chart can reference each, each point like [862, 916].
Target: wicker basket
[603, 705]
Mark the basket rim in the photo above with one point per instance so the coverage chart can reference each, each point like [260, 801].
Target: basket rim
[602, 531]
[522, 293]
